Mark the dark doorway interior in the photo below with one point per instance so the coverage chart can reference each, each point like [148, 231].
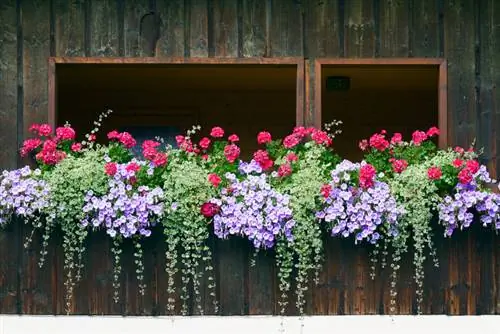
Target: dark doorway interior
[166, 99]
[397, 98]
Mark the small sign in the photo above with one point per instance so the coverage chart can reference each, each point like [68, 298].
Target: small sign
[338, 83]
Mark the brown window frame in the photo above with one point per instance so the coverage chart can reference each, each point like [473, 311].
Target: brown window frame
[443, 115]
[297, 61]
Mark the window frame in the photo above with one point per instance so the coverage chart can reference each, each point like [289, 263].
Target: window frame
[443, 113]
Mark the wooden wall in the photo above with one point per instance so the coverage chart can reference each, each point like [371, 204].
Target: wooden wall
[462, 31]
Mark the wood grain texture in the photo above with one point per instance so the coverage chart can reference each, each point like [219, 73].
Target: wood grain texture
[172, 39]
[254, 30]
[394, 26]
[359, 29]
[8, 84]
[9, 265]
[135, 12]
[225, 25]
[286, 28]
[198, 28]
[323, 28]
[489, 96]
[104, 28]
[424, 34]
[232, 256]
[36, 283]
[459, 51]
[70, 27]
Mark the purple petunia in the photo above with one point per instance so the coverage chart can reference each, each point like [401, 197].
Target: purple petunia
[22, 193]
[251, 208]
[124, 210]
[457, 211]
[351, 210]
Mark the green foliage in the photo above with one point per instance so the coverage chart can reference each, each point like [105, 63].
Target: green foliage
[69, 181]
[186, 230]
[419, 196]
[305, 252]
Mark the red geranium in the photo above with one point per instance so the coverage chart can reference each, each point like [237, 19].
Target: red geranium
[363, 145]
[179, 140]
[204, 143]
[263, 159]
[214, 179]
[110, 168]
[126, 140]
[366, 176]
[160, 159]
[217, 132]
[44, 130]
[378, 142]
[233, 138]
[418, 137]
[291, 141]
[396, 138]
[465, 176]
[291, 157]
[434, 173]
[433, 132]
[399, 166]
[457, 163]
[472, 166]
[231, 152]
[284, 170]
[133, 167]
[264, 137]
[113, 135]
[65, 133]
[321, 137]
[209, 209]
[325, 190]
[30, 145]
[76, 147]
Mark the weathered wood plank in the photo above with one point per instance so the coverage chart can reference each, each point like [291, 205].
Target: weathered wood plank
[36, 283]
[172, 39]
[10, 300]
[323, 29]
[335, 270]
[8, 85]
[225, 28]
[261, 277]
[104, 28]
[459, 51]
[135, 11]
[424, 34]
[198, 28]
[70, 28]
[359, 29]
[232, 256]
[287, 22]
[394, 28]
[489, 96]
[254, 28]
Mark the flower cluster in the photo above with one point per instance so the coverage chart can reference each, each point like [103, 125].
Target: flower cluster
[151, 153]
[124, 210]
[123, 138]
[365, 212]
[22, 193]
[457, 209]
[251, 208]
[54, 148]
